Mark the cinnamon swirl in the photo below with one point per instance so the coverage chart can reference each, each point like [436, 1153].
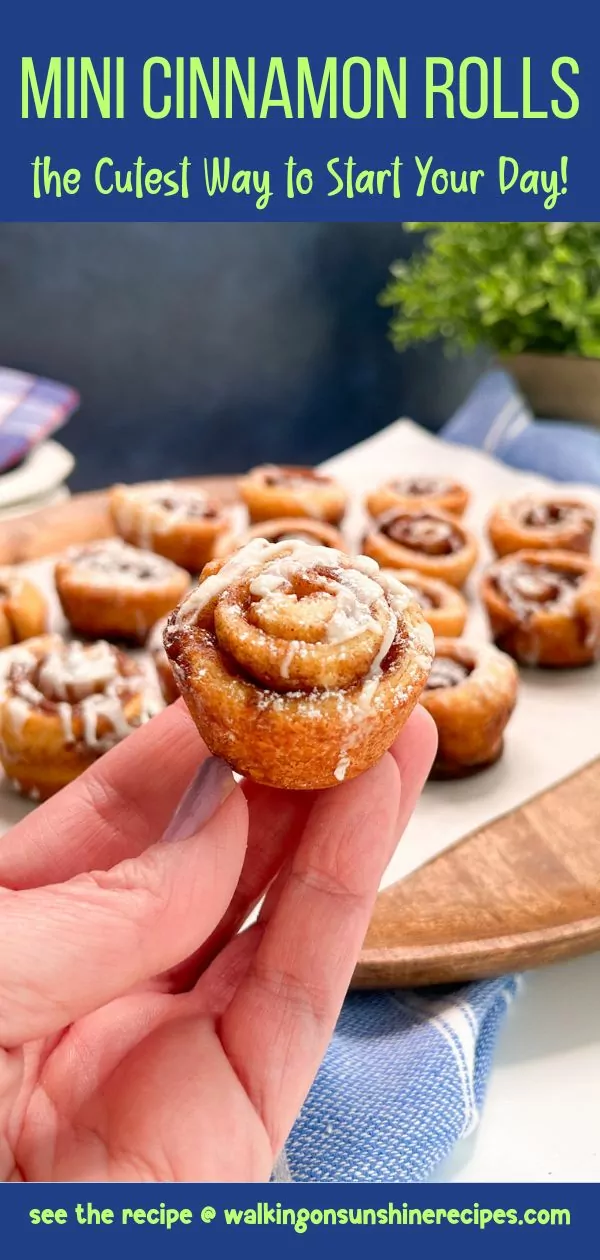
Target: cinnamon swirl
[434, 543]
[299, 665]
[110, 590]
[442, 605]
[284, 490]
[471, 693]
[423, 493]
[284, 529]
[538, 524]
[544, 607]
[176, 521]
[63, 705]
[23, 609]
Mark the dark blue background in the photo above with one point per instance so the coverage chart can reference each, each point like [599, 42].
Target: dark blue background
[219, 1239]
[314, 29]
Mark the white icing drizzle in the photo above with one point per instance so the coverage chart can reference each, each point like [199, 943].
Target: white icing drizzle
[114, 563]
[341, 769]
[167, 505]
[358, 588]
[85, 680]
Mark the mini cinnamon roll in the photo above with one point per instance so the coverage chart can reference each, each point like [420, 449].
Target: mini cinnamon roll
[443, 606]
[23, 609]
[434, 543]
[470, 693]
[284, 529]
[544, 607]
[423, 493]
[110, 590]
[176, 521]
[299, 664]
[275, 490]
[156, 648]
[63, 705]
[538, 524]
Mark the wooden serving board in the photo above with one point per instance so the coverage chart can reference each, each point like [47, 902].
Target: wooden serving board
[523, 891]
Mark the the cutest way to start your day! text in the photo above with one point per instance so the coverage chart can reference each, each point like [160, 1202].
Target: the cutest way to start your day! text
[339, 176]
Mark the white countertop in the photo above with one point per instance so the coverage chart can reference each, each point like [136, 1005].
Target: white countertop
[541, 1119]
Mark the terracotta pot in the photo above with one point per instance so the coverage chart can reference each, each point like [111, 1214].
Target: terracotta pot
[558, 387]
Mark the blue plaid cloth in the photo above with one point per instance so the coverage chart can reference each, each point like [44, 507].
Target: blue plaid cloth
[31, 408]
[405, 1076]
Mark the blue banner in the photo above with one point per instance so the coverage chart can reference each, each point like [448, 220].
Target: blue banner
[482, 1220]
[319, 112]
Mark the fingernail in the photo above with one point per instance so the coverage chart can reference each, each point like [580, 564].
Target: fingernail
[212, 783]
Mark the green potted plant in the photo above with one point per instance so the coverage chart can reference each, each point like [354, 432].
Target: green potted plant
[530, 292]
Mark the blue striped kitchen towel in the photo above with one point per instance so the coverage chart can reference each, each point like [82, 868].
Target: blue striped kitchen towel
[496, 418]
[403, 1080]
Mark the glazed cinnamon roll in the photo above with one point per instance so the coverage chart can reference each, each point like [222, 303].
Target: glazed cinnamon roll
[538, 524]
[544, 607]
[298, 664]
[176, 521]
[284, 529]
[110, 590]
[274, 490]
[434, 543]
[23, 609]
[423, 493]
[63, 705]
[443, 606]
[166, 678]
[470, 693]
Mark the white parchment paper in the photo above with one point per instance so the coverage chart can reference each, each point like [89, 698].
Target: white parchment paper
[556, 727]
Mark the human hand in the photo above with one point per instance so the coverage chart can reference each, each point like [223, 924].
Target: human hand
[144, 1037]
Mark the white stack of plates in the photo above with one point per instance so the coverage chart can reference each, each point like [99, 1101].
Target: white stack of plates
[38, 482]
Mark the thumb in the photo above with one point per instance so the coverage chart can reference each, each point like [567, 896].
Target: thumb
[69, 948]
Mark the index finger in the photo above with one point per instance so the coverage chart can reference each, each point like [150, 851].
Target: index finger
[119, 807]
[276, 1029]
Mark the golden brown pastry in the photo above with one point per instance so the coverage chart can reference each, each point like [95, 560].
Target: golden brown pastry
[434, 543]
[162, 664]
[284, 529]
[23, 609]
[470, 693]
[274, 490]
[176, 521]
[298, 664]
[544, 607]
[443, 606]
[63, 705]
[110, 590]
[424, 493]
[539, 524]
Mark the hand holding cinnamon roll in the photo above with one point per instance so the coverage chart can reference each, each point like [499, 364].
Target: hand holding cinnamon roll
[63, 705]
[299, 665]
